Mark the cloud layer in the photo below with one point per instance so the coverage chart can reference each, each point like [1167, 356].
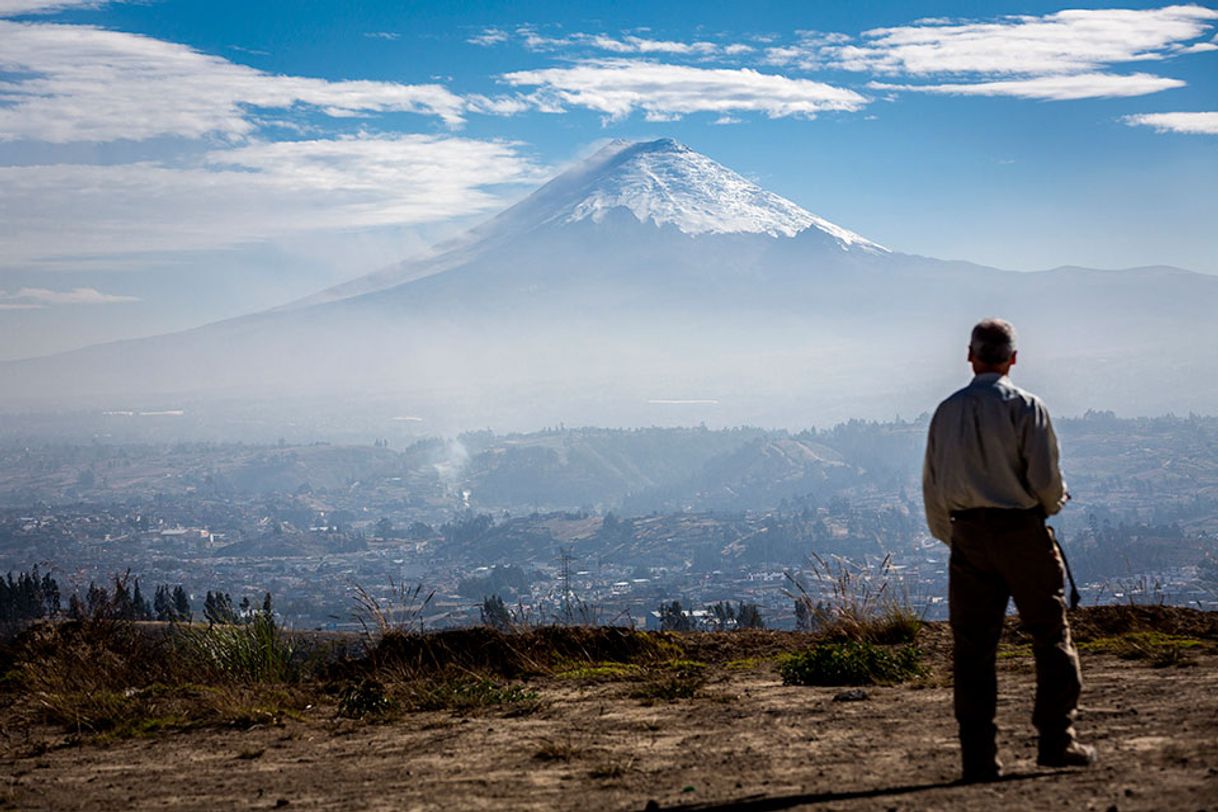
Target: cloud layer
[1070, 54]
[1067, 42]
[1055, 88]
[81, 83]
[1187, 123]
[55, 215]
[663, 92]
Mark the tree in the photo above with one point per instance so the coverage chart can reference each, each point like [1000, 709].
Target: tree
[384, 528]
[76, 607]
[140, 610]
[748, 616]
[181, 604]
[218, 608]
[673, 618]
[162, 604]
[495, 614]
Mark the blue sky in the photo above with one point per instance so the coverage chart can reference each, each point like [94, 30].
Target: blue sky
[164, 164]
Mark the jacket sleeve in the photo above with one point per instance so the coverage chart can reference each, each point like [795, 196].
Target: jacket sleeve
[938, 519]
[1040, 451]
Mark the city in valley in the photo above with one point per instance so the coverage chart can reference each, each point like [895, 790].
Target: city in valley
[584, 525]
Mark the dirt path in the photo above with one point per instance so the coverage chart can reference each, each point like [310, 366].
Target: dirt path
[746, 741]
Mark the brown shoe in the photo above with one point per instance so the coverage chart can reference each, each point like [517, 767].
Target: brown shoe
[1074, 754]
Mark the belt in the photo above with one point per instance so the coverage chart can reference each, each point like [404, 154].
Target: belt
[987, 513]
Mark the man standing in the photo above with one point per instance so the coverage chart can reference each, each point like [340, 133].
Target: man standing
[990, 478]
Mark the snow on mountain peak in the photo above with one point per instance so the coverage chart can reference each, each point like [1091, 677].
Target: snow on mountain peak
[668, 183]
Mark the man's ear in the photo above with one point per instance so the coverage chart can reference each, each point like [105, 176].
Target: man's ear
[1014, 355]
[970, 354]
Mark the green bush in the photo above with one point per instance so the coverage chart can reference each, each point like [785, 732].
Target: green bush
[254, 652]
[854, 662]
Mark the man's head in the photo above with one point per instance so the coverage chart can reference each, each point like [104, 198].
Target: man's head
[992, 347]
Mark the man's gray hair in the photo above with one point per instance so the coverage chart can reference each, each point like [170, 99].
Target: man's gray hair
[993, 341]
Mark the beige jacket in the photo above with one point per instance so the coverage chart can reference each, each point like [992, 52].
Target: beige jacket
[990, 445]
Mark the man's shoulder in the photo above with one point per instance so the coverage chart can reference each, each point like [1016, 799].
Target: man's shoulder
[991, 389]
[1012, 392]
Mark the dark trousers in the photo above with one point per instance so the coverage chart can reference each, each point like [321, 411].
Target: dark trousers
[997, 555]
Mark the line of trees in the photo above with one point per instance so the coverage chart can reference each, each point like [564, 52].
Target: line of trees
[34, 595]
[28, 596]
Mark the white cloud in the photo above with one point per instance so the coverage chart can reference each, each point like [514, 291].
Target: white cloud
[81, 83]
[1071, 41]
[386, 35]
[662, 91]
[1050, 88]
[55, 216]
[1188, 123]
[12, 8]
[37, 298]
[626, 45]
[1065, 55]
[488, 37]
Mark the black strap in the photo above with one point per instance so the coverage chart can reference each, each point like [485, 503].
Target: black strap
[1075, 598]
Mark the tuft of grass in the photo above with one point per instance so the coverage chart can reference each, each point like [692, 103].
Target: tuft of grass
[1013, 651]
[857, 602]
[854, 662]
[400, 611]
[599, 672]
[555, 750]
[747, 663]
[255, 652]
[1159, 649]
[612, 768]
[364, 699]
[678, 679]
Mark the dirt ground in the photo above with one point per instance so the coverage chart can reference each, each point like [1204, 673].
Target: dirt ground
[744, 742]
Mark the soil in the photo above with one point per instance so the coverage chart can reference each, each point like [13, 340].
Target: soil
[745, 741]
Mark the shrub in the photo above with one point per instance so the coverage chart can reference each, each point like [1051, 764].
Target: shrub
[680, 679]
[860, 603]
[364, 699]
[254, 652]
[854, 662]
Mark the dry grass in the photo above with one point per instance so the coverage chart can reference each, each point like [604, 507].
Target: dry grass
[854, 601]
[105, 678]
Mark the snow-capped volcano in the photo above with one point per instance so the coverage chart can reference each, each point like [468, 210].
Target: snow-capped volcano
[667, 183]
[660, 183]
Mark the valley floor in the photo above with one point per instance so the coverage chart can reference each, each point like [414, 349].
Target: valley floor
[745, 741]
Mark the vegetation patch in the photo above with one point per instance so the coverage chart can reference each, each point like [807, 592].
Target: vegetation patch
[677, 679]
[855, 602]
[1159, 649]
[364, 699]
[854, 662]
[599, 672]
[1014, 651]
